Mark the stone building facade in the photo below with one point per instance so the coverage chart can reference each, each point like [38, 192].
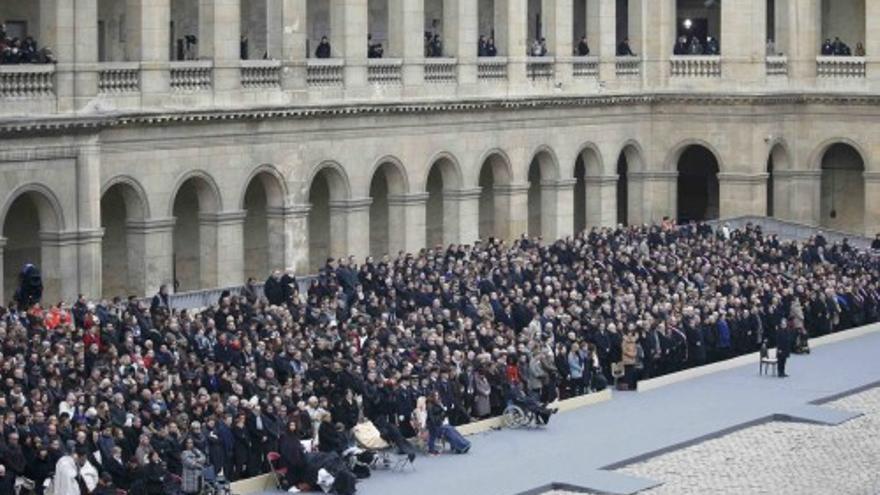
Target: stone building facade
[141, 159]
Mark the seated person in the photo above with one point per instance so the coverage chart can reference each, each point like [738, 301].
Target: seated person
[519, 397]
[439, 427]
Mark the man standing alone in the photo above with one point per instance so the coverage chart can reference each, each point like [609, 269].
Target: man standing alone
[784, 344]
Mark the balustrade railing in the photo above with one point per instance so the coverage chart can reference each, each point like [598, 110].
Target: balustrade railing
[119, 78]
[384, 71]
[260, 74]
[695, 66]
[27, 81]
[841, 67]
[191, 75]
[441, 70]
[491, 68]
[585, 67]
[540, 68]
[628, 66]
[325, 73]
[777, 65]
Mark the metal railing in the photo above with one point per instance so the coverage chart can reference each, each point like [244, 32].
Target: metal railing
[794, 231]
[27, 81]
[695, 66]
[841, 67]
[119, 78]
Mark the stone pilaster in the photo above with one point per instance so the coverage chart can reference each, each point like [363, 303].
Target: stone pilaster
[225, 46]
[516, 44]
[148, 32]
[461, 219]
[872, 42]
[289, 237]
[557, 208]
[89, 266]
[602, 35]
[804, 32]
[460, 32]
[292, 40]
[354, 44]
[743, 40]
[657, 195]
[658, 38]
[406, 24]
[515, 221]
[872, 203]
[742, 194]
[150, 246]
[350, 228]
[559, 28]
[221, 257]
[601, 191]
[407, 220]
[800, 201]
[59, 255]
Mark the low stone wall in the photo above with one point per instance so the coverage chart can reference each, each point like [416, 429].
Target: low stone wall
[267, 481]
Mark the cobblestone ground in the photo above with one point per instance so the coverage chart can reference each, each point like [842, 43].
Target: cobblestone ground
[777, 458]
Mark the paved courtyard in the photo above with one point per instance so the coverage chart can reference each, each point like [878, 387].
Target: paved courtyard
[778, 457]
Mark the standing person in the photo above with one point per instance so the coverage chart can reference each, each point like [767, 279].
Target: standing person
[784, 344]
[74, 474]
[194, 462]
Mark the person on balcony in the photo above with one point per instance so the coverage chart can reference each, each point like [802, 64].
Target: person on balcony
[482, 47]
[771, 48]
[827, 48]
[624, 50]
[583, 49]
[323, 50]
[491, 50]
[681, 46]
[860, 49]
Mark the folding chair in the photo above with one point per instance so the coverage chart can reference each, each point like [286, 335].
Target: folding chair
[767, 363]
[280, 473]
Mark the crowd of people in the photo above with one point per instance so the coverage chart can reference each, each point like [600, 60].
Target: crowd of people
[693, 45]
[14, 50]
[132, 394]
[838, 48]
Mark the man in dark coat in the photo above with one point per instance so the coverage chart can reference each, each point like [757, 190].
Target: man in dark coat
[273, 290]
[784, 344]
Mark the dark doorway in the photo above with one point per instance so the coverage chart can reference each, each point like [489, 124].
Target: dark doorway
[697, 185]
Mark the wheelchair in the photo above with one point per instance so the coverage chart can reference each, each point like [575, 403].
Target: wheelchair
[515, 417]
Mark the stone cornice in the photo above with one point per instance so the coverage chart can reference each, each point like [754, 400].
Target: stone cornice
[462, 194]
[601, 179]
[72, 237]
[408, 199]
[351, 205]
[97, 122]
[798, 174]
[151, 226]
[741, 178]
[223, 217]
[292, 211]
[871, 177]
[648, 176]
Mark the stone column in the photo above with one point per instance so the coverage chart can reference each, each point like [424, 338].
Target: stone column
[559, 28]
[601, 191]
[70, 27]
[872, 42]
[292, 43]
[85, 52]
[221, 259]
[742, 194]
[561, 194]
[516, 199]
[658, 38]
[804, 32]
[872, 203]
[659, 195]
[148, 33]
[224, 37]
[461, 221]
[407, 218]
[460, 30]
[289, 237]
[150, 245]
[515, 12]
[406, 26]
[602, 35]
[354, 45]
[59, 256]
[802, 201]
[89, 267]
[743, 40]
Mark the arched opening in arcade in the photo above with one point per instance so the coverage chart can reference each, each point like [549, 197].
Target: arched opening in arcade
[263, 225]
[580, 196]
[698, 27]
[441, 215]
[543, 174]
[195, 235]
[777, 160]
[327, 225]
[29, 215]
[387, 222]
[121, 272]
[698, 189]
[622, 190]
[494, 203]
[588, 200]
[843, 189]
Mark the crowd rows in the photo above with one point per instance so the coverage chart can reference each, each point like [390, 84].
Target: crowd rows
[138, 392]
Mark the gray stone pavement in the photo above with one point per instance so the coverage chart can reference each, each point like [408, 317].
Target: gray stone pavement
[582, 448]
